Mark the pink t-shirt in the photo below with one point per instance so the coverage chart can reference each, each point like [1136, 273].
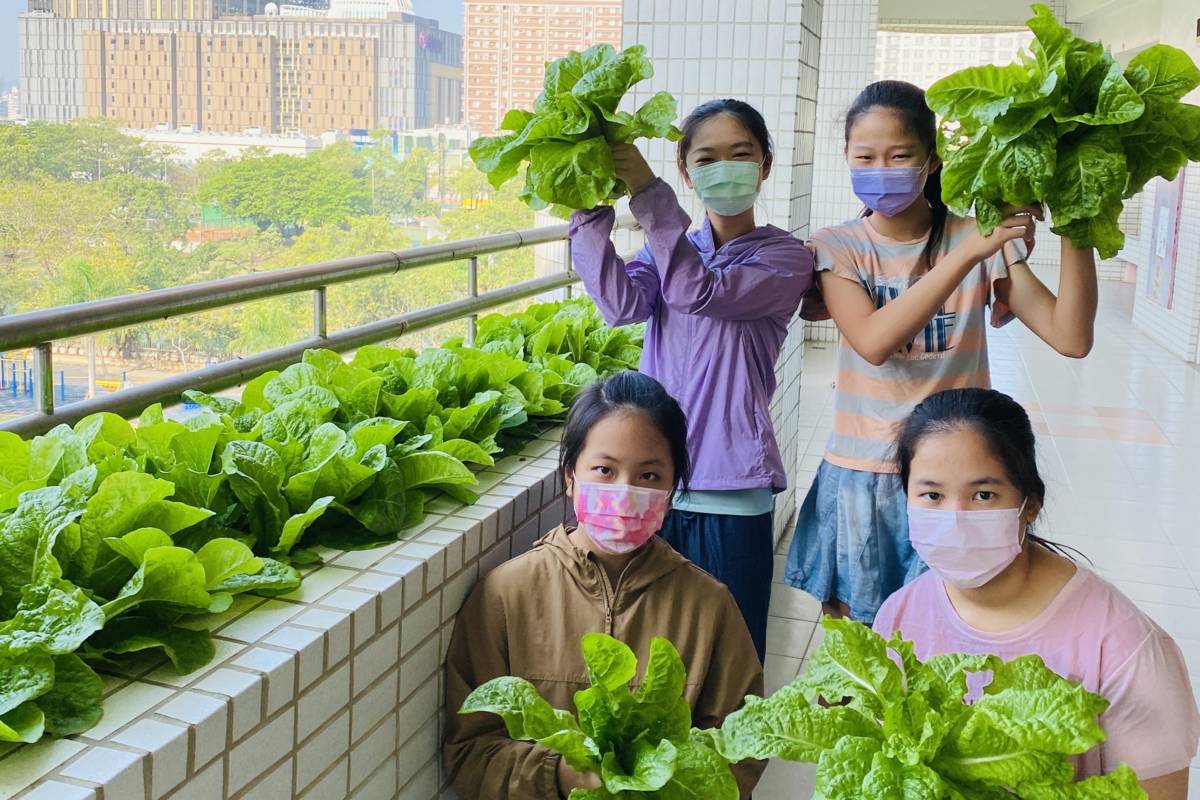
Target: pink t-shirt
[1092, 634]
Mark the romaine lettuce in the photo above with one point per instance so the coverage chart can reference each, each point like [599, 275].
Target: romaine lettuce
[1066, 127]
[890, 726]
[639, 743]
[566, 138]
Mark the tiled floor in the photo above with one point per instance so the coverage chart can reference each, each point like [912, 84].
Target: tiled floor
[1119, 434]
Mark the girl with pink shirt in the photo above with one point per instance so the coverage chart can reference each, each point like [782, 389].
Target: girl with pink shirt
[967, 461]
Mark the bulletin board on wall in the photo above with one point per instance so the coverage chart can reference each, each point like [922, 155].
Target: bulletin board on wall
[1164, 240]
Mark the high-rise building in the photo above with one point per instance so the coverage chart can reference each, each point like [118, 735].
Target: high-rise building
[923, 57]
[10, 103]
[232, 65]
[507, 45]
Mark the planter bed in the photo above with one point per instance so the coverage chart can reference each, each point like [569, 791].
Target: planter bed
[332, 691]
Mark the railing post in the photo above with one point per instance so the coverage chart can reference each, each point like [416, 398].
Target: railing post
[569, 266]
[44, 378]
[472, 291]
[320, 313]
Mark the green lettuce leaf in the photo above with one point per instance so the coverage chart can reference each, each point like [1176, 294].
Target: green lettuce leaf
[73, 704]
[651, 770]
[256, 475]
[433, 469]
[273, 578]
[1120, 784]
[33, 529]
[25, 723]
[565, 140]
[699, 772]
[1067, 127]
[852, 663]
[172, 575]
[785, 726]
[127, 501]
[53, 618]
[1163, 71]
[187, 649]
[23, 469]
[527, 715]
[24, 676]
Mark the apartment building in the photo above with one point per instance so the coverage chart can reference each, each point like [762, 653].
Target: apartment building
[507, 44]
[230, 65]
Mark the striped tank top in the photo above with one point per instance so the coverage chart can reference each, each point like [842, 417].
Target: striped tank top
[949, 353]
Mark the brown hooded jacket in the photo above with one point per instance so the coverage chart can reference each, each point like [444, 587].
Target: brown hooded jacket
[526, 618]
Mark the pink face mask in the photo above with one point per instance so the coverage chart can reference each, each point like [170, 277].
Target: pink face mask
[966, 548]
[619, 518]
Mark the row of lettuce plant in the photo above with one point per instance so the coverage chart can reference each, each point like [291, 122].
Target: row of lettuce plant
[118, 538]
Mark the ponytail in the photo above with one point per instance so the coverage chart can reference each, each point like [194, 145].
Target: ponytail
[937, 232]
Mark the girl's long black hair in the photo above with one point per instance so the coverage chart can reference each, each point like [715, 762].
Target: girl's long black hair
[742, 111]
[908, 102]
[627, 391]
[1003, 424]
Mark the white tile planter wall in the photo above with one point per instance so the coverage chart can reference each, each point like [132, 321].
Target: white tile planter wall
[334, 691]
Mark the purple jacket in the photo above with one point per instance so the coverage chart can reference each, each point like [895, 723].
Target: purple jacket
[717, 321]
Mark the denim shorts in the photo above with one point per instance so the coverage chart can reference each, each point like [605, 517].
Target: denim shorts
[851, 542]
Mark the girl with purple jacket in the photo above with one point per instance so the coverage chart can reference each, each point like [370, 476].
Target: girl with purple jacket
[717, 302]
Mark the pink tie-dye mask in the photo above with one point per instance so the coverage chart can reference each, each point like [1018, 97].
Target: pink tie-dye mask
[620, 518]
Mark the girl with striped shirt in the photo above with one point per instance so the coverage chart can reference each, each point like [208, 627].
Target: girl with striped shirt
[910, 286]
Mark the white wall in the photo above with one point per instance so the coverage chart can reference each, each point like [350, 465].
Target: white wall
[848, 42]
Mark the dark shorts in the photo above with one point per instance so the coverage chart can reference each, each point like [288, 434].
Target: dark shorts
[736, 550]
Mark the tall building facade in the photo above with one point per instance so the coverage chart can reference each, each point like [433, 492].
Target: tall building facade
[10, 103]
[230, 65]
[507, 45]
[924, 57]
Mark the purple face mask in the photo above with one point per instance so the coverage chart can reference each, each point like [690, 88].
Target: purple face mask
[966, 548]
[888, 190]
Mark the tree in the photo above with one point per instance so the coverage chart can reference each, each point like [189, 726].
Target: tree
[290, 192]
[403, 185]
[87, 212]
[469, 185]
[88, 148]
[104, 149]
[502, 212]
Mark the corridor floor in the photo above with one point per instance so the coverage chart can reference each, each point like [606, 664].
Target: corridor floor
[1119, 435]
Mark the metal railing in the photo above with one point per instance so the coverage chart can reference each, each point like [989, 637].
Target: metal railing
[40, 329]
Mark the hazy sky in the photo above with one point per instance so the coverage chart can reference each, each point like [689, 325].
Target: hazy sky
[446, 12]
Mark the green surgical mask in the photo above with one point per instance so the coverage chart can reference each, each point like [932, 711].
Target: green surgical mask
[726, 188]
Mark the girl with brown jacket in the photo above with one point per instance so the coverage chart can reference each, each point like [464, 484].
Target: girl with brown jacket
[624, 454]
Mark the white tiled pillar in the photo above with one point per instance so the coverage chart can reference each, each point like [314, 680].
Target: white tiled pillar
[847, 65]
[764, 52]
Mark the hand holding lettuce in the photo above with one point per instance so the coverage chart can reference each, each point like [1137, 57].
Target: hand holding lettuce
[1067, 127]
[566, 139]
[904, 731]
